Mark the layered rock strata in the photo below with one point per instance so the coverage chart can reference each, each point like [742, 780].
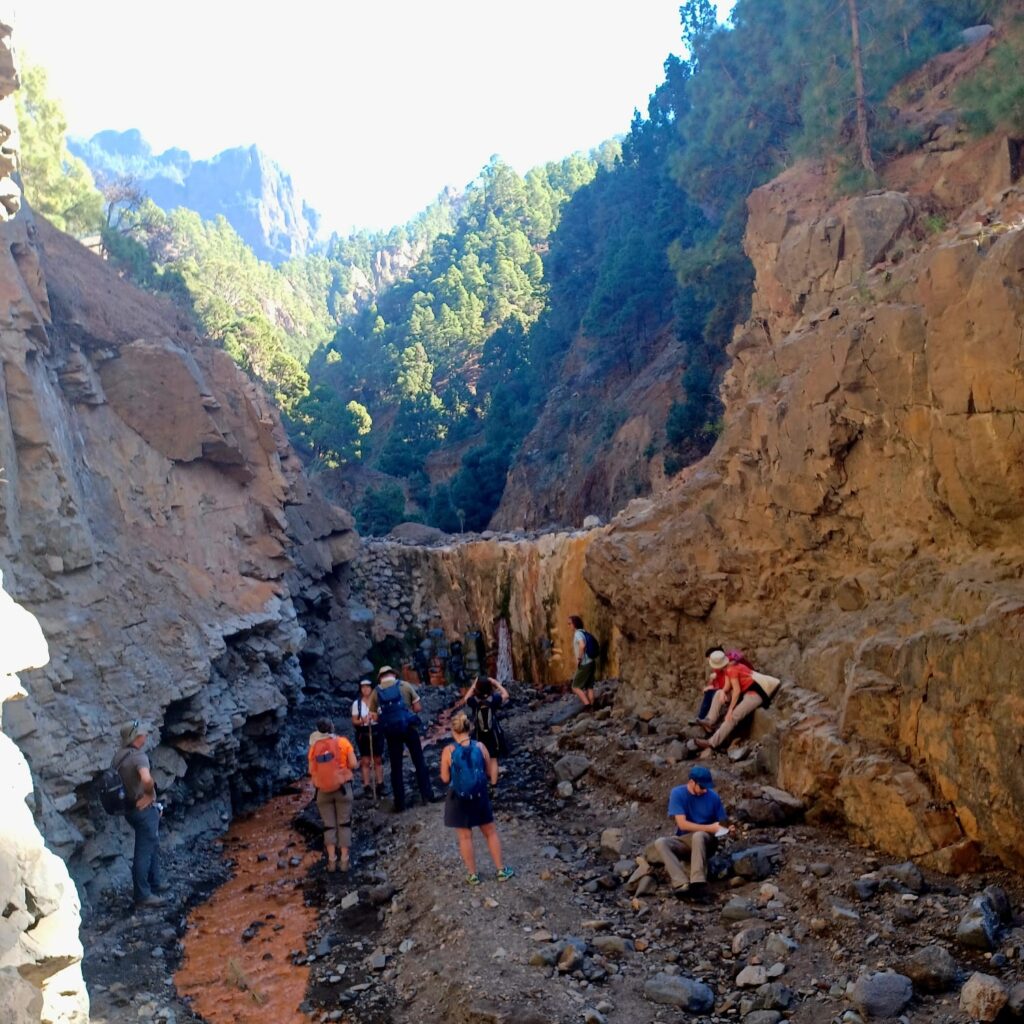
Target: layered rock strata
[858, 527]
[157, 523]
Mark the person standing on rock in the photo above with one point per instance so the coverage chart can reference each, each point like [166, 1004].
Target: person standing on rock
[331, 764]
[484, 698]
[369, 740]
[699, 815]
[143, 813]
[395, 704]
[584, 647]
[466, 768]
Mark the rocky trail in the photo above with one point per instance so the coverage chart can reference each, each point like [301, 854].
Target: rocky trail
[800, 924]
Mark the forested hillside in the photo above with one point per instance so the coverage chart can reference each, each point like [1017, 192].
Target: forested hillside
[544, 345]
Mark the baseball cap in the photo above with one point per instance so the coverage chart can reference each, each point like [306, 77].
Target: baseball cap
[385, 670]
[365, 682]
[701, 775]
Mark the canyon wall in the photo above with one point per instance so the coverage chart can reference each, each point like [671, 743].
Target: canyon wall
[859, 526]
[158, 525]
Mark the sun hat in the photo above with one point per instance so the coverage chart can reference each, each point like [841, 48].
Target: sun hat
[701, 775]
[718, 659]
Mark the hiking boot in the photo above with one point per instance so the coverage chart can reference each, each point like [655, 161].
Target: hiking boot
[161, 888]
[148, 901]
[505, 874]
[696, 892]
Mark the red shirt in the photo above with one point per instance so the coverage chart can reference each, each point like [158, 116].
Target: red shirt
[742, 675]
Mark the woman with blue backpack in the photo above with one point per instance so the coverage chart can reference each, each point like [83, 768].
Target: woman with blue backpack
[466, 768]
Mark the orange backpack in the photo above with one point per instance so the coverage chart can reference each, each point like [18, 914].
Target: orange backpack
[328, 763]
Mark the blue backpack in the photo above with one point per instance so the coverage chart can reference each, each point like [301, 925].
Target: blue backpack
[469, 777]
[392, 713]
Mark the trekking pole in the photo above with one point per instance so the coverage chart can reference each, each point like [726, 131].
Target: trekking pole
[373, 768]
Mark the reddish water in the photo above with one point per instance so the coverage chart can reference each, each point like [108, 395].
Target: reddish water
[233, 981]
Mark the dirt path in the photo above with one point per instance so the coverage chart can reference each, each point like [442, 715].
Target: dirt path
[569, 939]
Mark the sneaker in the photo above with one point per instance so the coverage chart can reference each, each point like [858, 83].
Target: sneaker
[472, 879]
[505, 874]
[149, 901]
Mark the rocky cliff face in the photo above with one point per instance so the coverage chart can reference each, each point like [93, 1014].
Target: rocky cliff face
[858, 527]
[246, 187]
[157, 524]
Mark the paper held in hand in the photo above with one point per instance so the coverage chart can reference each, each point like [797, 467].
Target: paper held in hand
[722, 831]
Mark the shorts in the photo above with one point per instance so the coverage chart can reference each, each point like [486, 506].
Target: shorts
[584, 678]
[363, 741]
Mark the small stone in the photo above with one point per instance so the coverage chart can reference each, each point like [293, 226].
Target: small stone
[405, 945]
[979, 925]
[753, 976]
[612, 945]
[350, 900]
[565, 790]
[780, 945]
[738, 909]
[757, 862]
[611, 841]
[820, 869]
[378, 962]
[592, 1016]
[983, 997]
[748, 936]
[883, 994]
[763, 1017]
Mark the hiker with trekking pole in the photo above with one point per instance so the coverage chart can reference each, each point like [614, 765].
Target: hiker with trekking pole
[369, 742]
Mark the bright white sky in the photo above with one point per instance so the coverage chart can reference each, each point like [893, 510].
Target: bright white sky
[372, 106]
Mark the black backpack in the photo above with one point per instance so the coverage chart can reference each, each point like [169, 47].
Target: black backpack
[483, 721]
[591, 648]
[111, 789]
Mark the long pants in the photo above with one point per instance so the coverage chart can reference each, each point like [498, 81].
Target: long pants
[336, 814]
[397, 742]
[146, 875]
[698, 846]
[747, 704]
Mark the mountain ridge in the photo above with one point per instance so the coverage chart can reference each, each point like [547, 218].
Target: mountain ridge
[242, 183]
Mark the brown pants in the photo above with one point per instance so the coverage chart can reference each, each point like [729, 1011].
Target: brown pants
[698, 846]
[336, 813]
[746, 705]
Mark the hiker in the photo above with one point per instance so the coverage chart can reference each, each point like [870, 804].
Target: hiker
[395, 705]
[699, 816]
[143, 813]
[719, 659]
[369, 739]
[745, 691]
[466, 767]
[331, 764]
[584, 647]
[484, 698]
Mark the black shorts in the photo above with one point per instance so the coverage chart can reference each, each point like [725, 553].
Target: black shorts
[363, 740]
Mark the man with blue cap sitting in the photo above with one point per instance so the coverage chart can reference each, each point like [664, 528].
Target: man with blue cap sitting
[699, 815]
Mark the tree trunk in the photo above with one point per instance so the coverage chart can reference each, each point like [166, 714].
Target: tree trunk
[858, 84]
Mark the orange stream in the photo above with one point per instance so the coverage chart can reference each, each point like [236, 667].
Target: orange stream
[230, 981]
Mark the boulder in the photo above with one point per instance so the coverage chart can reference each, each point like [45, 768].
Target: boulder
[983, 997]
[882, 995]
[675, 990]
[418, 533]
[979, 925]
[931, 969]
[757, 862]
[571, 767]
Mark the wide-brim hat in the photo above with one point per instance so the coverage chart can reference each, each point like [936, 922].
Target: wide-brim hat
[718, 659]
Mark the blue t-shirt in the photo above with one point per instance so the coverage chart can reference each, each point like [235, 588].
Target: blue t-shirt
[701, 810]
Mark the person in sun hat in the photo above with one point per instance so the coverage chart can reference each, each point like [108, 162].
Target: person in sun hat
[369, 739]
[395, 705]
[142, 812]
[699, 816]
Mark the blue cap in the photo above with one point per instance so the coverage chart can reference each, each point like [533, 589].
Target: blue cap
[701, 775]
